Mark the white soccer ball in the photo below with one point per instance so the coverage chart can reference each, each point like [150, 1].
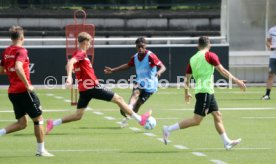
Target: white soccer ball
[150, 124]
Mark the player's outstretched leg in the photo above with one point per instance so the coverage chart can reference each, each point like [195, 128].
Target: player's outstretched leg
[124, 122]
[73, 117]
[167, 130]
[123, 105]
[228, 143]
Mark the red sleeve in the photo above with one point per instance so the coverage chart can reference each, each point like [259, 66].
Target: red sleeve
[154, 61]
[22, 55]
[189, 69]
[131, 62]
[212, 58]
[78, 55]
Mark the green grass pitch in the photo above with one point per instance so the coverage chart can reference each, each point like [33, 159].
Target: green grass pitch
[96, 139]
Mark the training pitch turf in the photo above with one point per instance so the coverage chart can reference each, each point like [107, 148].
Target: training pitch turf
[97, 138]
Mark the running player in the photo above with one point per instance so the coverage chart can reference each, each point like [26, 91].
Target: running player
[271, 45]
[15, 63]
[201, 67]
[146, 84]
[89, 87]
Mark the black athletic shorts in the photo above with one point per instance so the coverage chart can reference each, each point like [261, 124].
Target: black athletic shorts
[25, 103]
[272, 65]
[205, 104]
[98, 92]
[144, 96]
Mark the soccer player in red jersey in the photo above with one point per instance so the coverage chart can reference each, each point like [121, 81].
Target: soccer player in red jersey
[145, 63]
[89, 86]
[15, 63]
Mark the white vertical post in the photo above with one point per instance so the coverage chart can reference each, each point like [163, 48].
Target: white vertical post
[266, 19]
[224, 20]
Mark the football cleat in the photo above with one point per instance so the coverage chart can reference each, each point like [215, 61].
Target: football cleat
[233, 143]
[45, 153]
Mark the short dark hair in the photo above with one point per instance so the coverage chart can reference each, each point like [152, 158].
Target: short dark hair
[16, 32]
[203, 41]
[140, 40]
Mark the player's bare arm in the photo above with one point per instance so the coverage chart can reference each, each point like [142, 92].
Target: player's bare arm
[188, 95]
[161, 70]
[2, 70]
[70, 66]
[269, 43]
[20, 73]
[109, 70]
[225, 73]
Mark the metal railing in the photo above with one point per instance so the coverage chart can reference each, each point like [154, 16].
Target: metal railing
[110, 4]
[117, 42]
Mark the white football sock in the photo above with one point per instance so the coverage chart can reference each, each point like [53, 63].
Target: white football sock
[40, 147]
[57, 122]
[173, 127]
[136, 117]
[3, 132]
[225, 138]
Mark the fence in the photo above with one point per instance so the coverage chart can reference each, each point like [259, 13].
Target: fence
[50, 60]
[112, 4]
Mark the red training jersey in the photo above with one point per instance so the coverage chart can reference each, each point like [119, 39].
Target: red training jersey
[10, 56]
[84, 71]
[153, 59]
[210, 57]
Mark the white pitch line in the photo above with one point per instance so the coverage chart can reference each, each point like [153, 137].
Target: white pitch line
[199, 154]
[59, 97]
[109, 118]
[249, 108]
[66, 100]
[134, 129]
[50, 94]
[231, 109]
[150, 134]
[89, 150]
[8, 120]
[245, 148]
[161, 139]
[218, 161]
[98, 113]
[181, 147]
[258, 118]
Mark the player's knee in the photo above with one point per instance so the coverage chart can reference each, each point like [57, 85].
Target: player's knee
[118, 99]
[197, 122]
[136, 93]
[22, 124]
[218, 116]
[78, 116]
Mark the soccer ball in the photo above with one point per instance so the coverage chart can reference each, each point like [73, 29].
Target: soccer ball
[150, 124]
